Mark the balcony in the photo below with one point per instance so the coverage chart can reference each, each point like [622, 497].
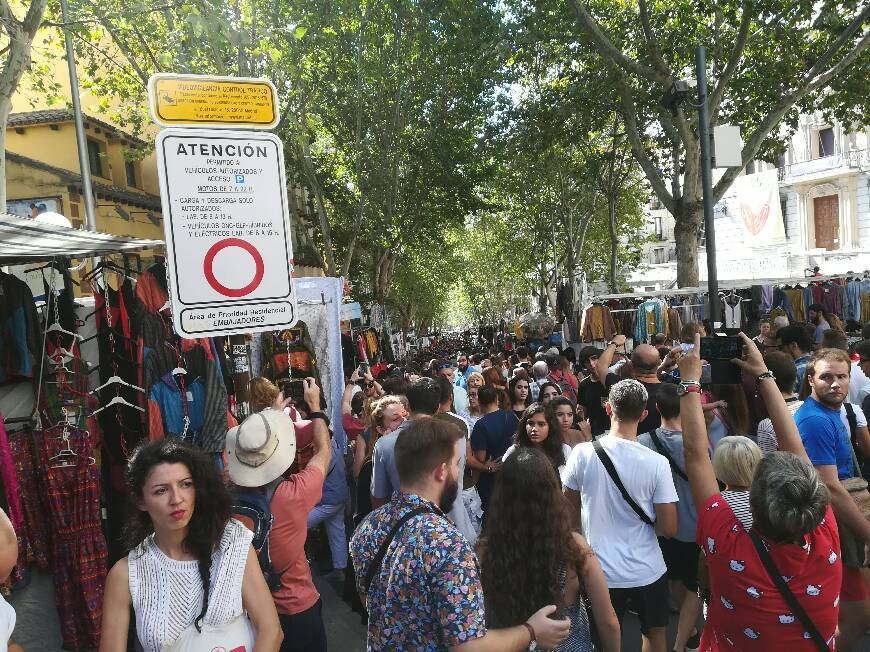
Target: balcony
[854, 159]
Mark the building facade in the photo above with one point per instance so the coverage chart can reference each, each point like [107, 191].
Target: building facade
[812, 210]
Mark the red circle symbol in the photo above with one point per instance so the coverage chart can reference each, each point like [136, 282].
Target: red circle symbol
[208, 267]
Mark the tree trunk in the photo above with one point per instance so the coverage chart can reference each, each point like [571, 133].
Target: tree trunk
[687, 232]
[614, 243]
[19, 35]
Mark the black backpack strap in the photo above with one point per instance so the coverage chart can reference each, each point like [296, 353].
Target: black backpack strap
[611, 471]
[664, 452]
[853, 423]
[795, 606]
[375, 566]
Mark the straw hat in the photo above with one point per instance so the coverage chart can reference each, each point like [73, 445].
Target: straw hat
[261, 448]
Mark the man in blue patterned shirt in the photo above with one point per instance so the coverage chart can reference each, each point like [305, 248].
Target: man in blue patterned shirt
[424, 591]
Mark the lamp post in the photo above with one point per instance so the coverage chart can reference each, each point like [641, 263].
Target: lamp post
[81, 140]
[707, 186]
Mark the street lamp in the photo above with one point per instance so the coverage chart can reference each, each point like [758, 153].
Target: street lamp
[674, 96]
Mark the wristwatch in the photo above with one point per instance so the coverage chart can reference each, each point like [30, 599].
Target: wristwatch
[688, 387]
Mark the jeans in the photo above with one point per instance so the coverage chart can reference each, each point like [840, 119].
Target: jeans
[304, 632]
[333, 516]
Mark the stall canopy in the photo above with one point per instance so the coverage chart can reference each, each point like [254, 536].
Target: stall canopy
[23, 240]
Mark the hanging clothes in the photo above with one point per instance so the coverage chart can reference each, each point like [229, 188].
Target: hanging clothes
[36, 532]
[20, 334]
[780, 300]
[731, 311]
[597, 324]
[649, 320]
[796, 299]
[79, 551]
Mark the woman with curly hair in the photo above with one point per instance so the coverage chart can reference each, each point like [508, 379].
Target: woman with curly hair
[539, 428]
[529, 555]
[189, 565]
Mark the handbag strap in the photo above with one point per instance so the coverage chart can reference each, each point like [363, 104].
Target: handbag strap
[853, 432]
[664, 452]
[375, 566]
[794, 605]
[611, 471]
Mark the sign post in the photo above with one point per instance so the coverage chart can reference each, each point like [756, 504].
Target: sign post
[215, 102]
[227, 225]
[224, 196]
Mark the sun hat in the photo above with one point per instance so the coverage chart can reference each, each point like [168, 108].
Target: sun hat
[261, 449]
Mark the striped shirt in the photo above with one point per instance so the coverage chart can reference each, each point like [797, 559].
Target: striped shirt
[738, 501]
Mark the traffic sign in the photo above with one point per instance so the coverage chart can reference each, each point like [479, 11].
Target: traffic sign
[227, 226]
[216, 102]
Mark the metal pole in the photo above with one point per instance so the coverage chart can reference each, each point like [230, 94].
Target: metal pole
[81, 140]
[707, 185]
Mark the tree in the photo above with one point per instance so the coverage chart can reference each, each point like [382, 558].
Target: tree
[17, 35]
[381, 102]
[770, 60]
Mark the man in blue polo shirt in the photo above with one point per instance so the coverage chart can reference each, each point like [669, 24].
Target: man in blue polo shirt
[829, 449]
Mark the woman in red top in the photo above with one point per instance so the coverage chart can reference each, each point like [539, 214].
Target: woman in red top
[792, 518]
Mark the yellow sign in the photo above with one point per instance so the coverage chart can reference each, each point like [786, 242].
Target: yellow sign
[201, 100]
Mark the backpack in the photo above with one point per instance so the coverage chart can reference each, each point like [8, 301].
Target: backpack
[564, 386]
[255, 506]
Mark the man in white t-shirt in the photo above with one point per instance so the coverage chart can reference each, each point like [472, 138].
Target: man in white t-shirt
[625, 544]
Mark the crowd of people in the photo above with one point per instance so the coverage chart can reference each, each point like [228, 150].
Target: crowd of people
[517, 500]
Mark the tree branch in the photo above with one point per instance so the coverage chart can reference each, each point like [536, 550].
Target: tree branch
[629, 117]
[828, 54]
[733, 61]
[610, 51]
[750, 149]
[651, 41]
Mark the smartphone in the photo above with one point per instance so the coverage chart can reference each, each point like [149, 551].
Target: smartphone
[686, 347]
[721, 348]
[363, 369]
[294, 389]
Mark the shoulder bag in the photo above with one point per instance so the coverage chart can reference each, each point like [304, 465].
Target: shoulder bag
[375, 566]
[664, 452]
[795, 606]
[235, 636]
[611, 471]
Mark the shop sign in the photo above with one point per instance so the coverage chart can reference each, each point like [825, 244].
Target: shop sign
[206, 101]
[227, 228]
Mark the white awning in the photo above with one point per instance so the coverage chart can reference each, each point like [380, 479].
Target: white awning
[23, 240]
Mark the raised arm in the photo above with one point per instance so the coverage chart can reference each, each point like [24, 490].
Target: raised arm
[783, 422]
[699, 468]
[606, 357]
[348, 394]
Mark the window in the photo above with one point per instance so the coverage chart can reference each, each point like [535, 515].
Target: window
[130, 168]
[658, 256]
[783, 207]
[826, 142]
[660, 231]
[95, 159]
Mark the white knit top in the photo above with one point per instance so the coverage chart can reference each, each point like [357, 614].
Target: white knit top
[167, 594]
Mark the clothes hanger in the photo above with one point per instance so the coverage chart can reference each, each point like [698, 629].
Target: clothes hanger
[116, 380]
[117, 400]
[57, 328]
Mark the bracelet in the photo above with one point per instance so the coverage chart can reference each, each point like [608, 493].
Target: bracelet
[762, 376]
[319, 415]
[531, 629]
